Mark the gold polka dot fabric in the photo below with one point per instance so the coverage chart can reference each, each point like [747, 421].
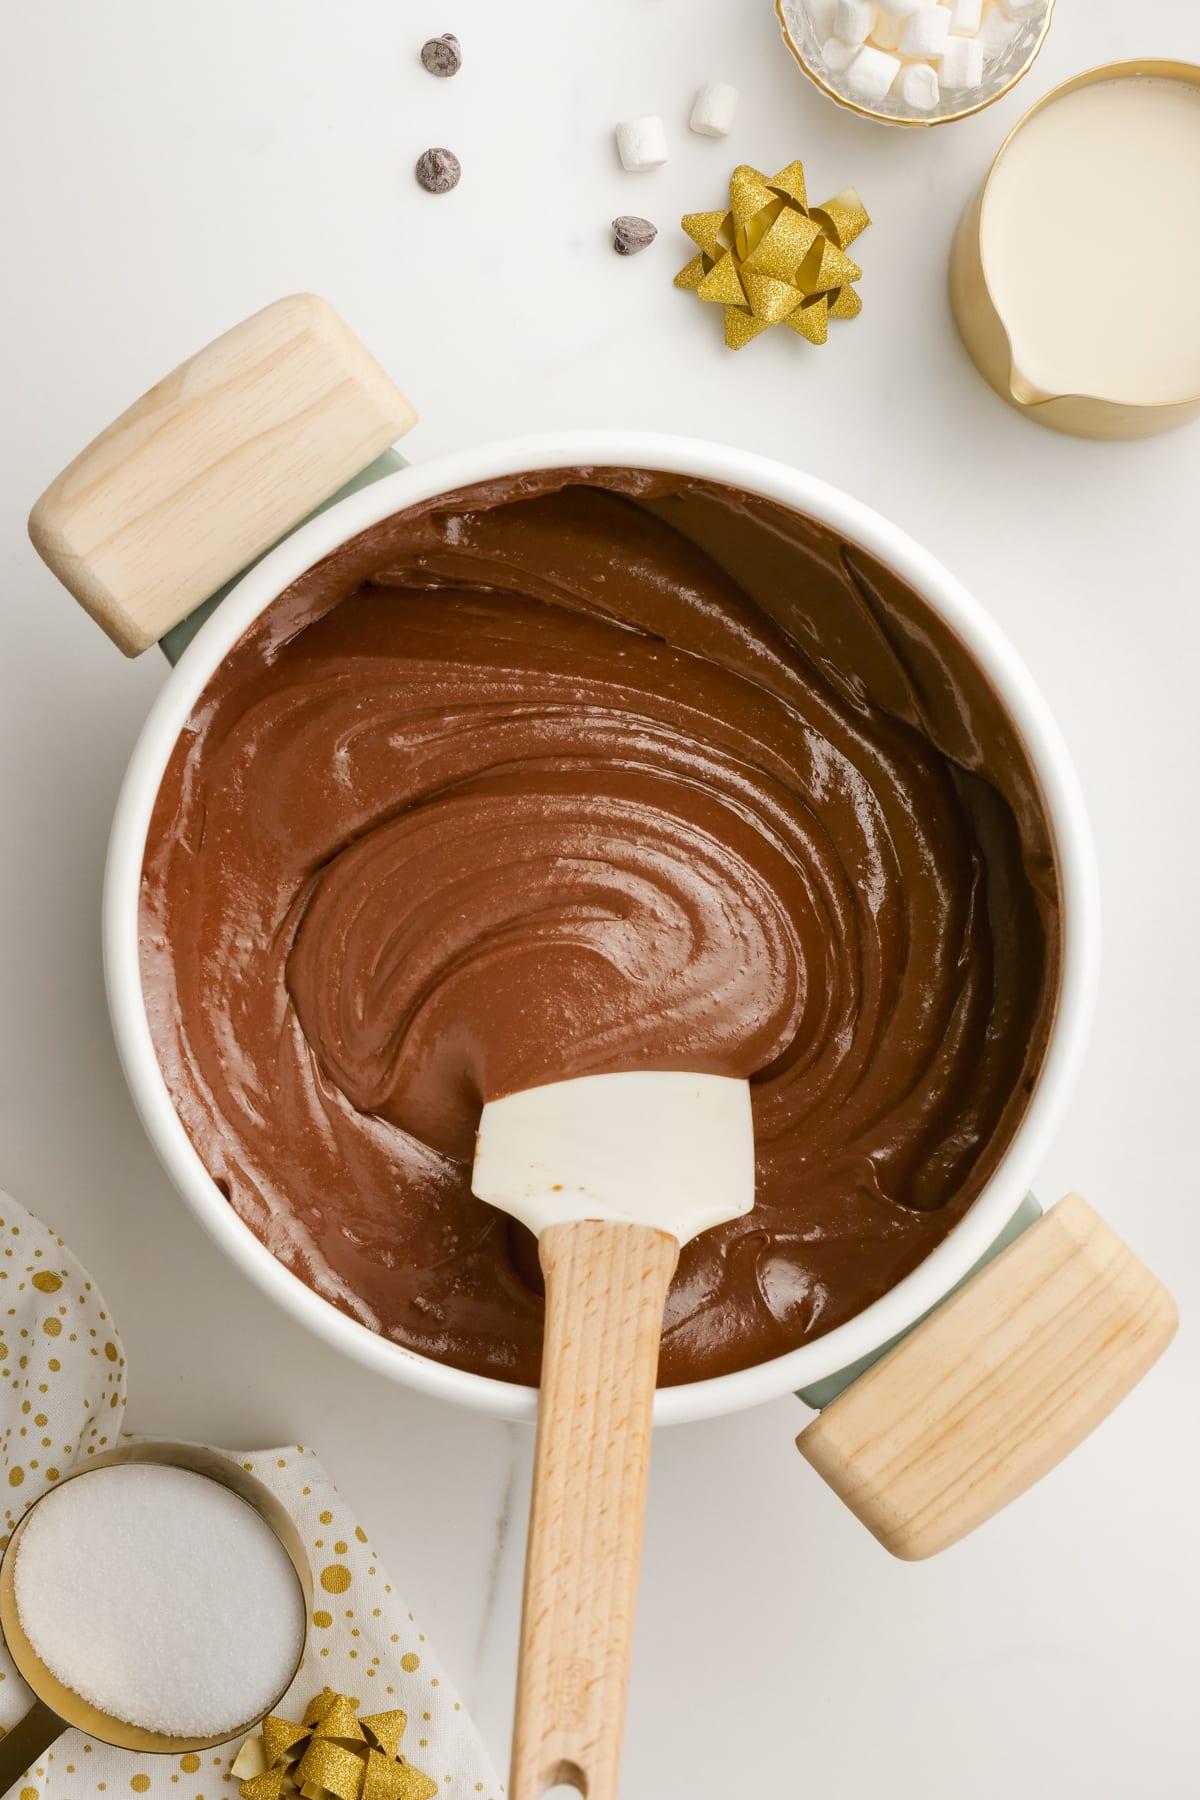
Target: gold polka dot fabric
[62, 1368]
[363, 1640]
[62, 1399]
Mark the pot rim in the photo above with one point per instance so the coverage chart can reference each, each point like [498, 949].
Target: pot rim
[957, 1253]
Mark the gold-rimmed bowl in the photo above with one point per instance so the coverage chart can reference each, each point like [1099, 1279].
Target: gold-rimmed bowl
[801, 35]
[57, 1708]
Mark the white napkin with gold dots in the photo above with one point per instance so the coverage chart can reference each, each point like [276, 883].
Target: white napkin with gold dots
[62, 1399]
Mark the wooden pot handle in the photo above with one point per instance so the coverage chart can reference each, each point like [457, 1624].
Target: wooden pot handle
[995, 1387]
[214, 465]
[606, 1286]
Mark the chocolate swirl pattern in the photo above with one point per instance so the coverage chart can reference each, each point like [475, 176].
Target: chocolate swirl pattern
[524, 785]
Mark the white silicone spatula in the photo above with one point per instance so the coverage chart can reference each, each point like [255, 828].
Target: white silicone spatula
[613, 1173]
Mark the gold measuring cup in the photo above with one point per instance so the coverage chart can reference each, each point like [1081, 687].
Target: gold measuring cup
[57, 1708]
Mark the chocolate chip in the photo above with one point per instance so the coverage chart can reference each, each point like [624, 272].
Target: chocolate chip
[438, 171]
[631, 234]
[442, 55]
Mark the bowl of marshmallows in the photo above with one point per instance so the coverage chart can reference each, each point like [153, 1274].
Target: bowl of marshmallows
[913, 62]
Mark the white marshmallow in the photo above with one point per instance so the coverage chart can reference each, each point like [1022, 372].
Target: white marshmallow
[996, 33]
[714, 109]
[853, 20]
[872, 73]
[961, 63]
[837, 56]
[1022, 9]
[885, 33]
[820, 17]
[901, 9]
[966, 16]
[926, 31]
[642, 143]
[919, 87]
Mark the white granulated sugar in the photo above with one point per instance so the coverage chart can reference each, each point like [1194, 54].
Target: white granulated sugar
[160, 1597]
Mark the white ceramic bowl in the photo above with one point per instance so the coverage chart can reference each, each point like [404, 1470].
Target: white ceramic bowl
[999, 1200]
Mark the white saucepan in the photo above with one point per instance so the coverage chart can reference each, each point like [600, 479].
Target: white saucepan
[204, 456]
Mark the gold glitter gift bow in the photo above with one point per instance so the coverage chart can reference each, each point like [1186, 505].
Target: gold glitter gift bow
[331, 1753]
[771, 259]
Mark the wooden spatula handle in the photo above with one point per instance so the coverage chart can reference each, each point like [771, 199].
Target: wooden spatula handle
[605, 1289]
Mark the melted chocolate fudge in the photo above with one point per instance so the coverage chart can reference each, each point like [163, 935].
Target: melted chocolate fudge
[581, 772]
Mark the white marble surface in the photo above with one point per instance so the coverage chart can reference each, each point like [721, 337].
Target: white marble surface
[168, 168]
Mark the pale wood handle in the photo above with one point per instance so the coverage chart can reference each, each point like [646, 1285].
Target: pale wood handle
[605, 1290]
[214, 465]
[996, 1386]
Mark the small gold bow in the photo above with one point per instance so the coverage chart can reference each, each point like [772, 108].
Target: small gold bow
[771, 259]
[331, 1754]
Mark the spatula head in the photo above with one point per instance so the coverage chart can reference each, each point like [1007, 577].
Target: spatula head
[672, 1151]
